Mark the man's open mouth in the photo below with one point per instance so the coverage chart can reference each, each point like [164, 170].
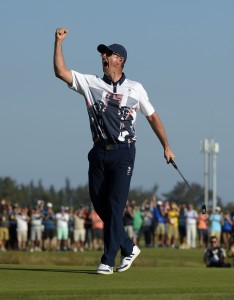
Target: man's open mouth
[105, 64]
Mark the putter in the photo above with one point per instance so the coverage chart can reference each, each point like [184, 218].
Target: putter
[203, 206]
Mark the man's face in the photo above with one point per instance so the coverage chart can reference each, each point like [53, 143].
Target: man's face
[214, 242]
[110, 61]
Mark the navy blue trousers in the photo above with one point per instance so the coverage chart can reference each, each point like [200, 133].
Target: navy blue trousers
[110, 173]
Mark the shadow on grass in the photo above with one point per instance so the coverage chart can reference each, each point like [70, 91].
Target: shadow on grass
[50, 270]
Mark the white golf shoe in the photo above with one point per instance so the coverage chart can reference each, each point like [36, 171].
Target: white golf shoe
[104, 269]
[126, 261]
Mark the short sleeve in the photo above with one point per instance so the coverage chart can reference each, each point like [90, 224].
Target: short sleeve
[80, 83]
[145, 106]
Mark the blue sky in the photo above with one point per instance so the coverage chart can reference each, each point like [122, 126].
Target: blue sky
[182, 53]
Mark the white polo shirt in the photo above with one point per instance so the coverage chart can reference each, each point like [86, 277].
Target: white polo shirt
[62, 220]
[191, 217]
[112, 106]
[22, 223]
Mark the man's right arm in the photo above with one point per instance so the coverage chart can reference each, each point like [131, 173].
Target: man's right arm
[159, 130]
[60, 68]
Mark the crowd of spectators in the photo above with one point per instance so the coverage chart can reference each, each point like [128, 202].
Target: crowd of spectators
[166, 224]
[151, 224]
[41, 228]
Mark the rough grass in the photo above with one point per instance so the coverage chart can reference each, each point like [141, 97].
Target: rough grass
[156, 274]
[148, 258]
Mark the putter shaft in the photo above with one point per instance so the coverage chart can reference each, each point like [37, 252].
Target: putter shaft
[203, 206]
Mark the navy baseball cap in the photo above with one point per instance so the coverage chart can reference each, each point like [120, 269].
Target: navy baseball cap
[118, 49]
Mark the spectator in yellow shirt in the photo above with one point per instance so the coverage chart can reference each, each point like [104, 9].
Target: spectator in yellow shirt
[173, 232]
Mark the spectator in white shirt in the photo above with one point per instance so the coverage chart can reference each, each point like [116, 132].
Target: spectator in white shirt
[62, 229]
[22, 228]
[191, 226]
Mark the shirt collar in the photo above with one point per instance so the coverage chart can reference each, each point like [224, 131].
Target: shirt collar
[110, 82]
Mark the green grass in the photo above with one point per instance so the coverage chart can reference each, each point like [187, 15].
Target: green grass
[156, 274]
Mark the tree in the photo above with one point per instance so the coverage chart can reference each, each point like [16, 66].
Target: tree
[7, 188]
[139, 194]
[182, 194]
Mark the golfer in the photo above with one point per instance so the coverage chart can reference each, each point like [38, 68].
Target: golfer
[112, 102]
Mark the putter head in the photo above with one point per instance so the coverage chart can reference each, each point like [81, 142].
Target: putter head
[203, 207]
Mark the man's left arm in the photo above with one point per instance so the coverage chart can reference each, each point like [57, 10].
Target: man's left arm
[159, 130]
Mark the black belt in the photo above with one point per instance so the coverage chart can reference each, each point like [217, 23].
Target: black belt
[110, 147]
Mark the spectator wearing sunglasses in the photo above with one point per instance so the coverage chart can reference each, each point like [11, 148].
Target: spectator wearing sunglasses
[214, 255]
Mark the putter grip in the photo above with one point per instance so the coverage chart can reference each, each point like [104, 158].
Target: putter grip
[171, 161]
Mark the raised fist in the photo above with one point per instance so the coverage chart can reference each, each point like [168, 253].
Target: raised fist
[61, 33]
